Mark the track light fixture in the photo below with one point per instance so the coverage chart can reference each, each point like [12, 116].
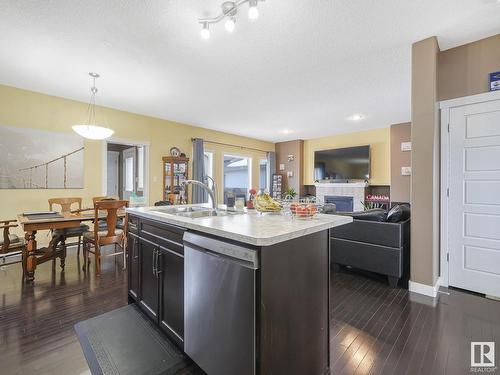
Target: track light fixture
[229, 12]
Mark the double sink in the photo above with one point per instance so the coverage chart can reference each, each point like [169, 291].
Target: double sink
[194, 212]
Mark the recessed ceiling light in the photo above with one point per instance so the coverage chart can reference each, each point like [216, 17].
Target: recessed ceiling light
[356, 117]
[287, 131]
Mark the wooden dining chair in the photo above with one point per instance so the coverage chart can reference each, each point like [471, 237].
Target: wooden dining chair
[105, 198]
[102, 223]
[10, 244]
[111, 236]
[66, 205]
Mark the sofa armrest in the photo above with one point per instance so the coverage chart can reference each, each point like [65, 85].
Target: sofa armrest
[377, 233]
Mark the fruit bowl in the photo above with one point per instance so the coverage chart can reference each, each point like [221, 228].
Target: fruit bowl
[263, 203]
[304, 209]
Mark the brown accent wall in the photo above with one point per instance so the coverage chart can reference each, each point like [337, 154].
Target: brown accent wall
[464, 70]
[425, 163]
[295, 148]
[400, 185]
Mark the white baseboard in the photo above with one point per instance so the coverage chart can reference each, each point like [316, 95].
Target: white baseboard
[426, 290]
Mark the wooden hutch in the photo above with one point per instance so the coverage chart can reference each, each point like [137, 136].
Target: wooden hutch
[175, 172]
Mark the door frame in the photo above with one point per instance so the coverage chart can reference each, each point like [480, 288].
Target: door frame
[131, 143]
[446, 106]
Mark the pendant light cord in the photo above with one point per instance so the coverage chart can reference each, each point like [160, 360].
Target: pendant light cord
[92, 101]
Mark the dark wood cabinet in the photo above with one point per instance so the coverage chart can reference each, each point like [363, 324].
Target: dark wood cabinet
[172, 293]
[156, 274]
[133, 266]
[149, 285]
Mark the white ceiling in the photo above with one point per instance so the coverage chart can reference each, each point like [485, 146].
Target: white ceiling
[303, 66]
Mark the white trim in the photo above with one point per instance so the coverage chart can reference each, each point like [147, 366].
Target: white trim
[426, 290]
[446, 107]
[443, 228]
[342, 184]
[128, 142]
[472, 99]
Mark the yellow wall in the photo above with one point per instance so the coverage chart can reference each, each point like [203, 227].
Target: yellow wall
[380, 147]
[27, 109]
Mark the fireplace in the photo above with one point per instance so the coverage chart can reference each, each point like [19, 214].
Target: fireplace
[343, 204]
[355, 191]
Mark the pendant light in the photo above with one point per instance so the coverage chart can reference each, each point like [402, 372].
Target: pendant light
[90, 130]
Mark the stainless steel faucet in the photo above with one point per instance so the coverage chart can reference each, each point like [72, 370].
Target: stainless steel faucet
[212, 192]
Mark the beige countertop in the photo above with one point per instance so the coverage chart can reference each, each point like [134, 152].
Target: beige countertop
[249, 227]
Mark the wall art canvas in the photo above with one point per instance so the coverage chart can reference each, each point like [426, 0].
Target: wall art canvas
[39, 159]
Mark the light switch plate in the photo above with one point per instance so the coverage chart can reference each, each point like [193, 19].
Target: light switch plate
[289, 174]
[405, 171]
[282, 167]
[405, 146]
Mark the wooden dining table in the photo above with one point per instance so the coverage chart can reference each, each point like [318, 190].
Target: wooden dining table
[32, 255]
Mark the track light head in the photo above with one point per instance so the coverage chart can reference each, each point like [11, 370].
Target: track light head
[253, 12]
[230, 24]
[205, 31]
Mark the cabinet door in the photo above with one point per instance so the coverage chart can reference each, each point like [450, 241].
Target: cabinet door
[133, 266]
[172, 294]
[149, 279]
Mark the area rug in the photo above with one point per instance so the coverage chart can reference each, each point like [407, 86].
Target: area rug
[124, 341]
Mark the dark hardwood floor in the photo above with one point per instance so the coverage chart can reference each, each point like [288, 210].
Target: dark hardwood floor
[379, 330]
[374, 329]
[36, 321]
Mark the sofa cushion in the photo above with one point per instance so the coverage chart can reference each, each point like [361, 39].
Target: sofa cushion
[376, 214]
[400, 212]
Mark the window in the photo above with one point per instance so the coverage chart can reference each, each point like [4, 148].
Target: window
[236, 176]
[263, 180]
[209, 164]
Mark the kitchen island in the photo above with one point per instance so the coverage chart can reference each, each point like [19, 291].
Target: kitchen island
[240, 293]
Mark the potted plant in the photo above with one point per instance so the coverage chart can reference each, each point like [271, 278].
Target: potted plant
[290, 192]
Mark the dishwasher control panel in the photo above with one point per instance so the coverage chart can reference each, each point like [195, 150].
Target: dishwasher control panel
[223, 248]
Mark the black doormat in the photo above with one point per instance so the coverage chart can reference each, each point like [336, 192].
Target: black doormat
[124, 341]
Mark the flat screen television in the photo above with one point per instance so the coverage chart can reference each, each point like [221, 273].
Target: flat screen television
[351, 163]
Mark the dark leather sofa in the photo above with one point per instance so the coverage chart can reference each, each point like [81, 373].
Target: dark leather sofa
[373, 244]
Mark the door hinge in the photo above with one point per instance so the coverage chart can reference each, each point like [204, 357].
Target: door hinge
[447, 257]
[447, 192]
[448, 127]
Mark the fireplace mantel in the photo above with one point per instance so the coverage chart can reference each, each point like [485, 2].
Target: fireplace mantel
[341, 184]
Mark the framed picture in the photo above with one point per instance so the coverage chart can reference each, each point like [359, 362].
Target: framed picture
[39, 159]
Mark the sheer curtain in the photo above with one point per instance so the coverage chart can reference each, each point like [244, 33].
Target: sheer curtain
[199, 195]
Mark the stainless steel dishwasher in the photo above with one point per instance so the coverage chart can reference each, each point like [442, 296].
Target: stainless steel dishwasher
[219, 305]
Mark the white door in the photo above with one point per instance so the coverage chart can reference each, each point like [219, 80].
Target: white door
[474, 198]
[113, 175]
[129, 172]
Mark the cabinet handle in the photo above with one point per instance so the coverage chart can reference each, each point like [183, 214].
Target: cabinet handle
[158, 270]
[154, 262]
[135, 252]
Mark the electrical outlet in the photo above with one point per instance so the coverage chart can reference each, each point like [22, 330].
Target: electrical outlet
[405, 146]
[405, 171]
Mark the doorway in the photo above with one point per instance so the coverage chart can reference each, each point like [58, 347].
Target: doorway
[470, 193]
[125, 174]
